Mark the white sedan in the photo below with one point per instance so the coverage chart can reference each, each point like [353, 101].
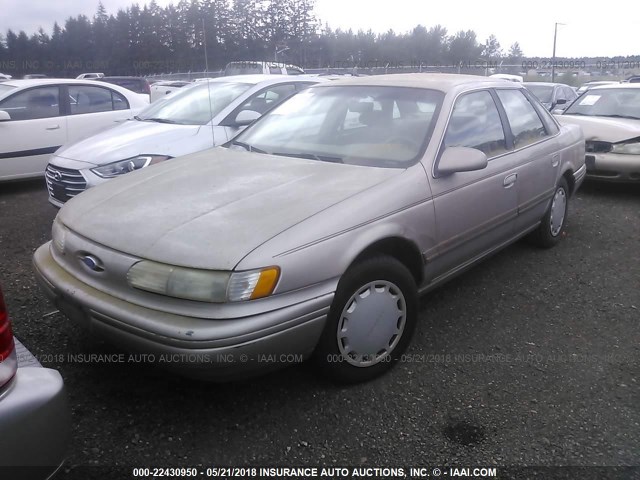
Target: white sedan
[196, 118]
[39, 116]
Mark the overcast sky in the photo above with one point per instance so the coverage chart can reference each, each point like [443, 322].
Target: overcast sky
[604, 29]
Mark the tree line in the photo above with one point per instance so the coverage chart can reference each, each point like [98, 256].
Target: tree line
[194, 35]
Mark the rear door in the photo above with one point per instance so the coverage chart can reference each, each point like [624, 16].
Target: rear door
[535, 153]
[92, 109]
[475, 211]
[37, 129]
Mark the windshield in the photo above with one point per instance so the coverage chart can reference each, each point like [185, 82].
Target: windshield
[608, 102]
[196, 105]
[358, 125]
[542, 92]
[5, 89]
[242, 68]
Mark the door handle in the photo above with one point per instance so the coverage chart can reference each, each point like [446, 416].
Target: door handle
[510, 180]
[555, 160]
[53, 127]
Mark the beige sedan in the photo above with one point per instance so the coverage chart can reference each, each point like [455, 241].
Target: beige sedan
[315, 230]
[610, 119]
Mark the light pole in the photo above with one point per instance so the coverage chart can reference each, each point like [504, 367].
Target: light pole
[553, 61]
[283, 49]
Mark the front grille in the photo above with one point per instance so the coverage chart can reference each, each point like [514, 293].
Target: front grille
[64, 183]
[598, 147]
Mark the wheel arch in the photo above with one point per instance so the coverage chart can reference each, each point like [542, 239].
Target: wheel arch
[400, 248]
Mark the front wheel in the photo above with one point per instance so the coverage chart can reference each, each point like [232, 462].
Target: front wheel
[552, 226]
[370, 323]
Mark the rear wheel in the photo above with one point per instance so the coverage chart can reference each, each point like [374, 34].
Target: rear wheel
[552, 226]
[370, 323]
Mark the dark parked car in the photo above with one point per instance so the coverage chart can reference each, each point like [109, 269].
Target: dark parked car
[554, 96]
[135, 84]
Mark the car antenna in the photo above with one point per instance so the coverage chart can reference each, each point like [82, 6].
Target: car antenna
[206, 69]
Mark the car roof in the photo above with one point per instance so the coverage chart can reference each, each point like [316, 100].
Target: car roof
[256, 79]
[121, 77]
[547, 84]
[615, 86]
[24, 83]
[435, 81]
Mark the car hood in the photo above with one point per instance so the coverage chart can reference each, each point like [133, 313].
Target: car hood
[210, 209]
[604, 129]
[128, 140]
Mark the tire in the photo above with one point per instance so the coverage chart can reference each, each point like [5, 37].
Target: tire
[551, 229]
[384, 286]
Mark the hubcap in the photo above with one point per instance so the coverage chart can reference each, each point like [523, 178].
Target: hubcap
[558, 211]
[371, 323]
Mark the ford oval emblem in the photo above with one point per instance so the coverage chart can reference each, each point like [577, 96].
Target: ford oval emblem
[92, 262]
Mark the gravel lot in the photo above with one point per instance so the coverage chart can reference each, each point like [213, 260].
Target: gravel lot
[531, 358]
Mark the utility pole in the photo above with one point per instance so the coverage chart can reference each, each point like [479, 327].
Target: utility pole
[553, 61]
[204, 36]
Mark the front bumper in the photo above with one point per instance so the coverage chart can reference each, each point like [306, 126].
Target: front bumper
[34, 420]
[613, 167]
[194, 347]
[579, 176]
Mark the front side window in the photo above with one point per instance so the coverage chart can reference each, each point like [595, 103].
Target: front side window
[196, 105]
[269, 98]
[526, 126]
[358, 125]
[475, 123]
[89, 99]
[41, 102]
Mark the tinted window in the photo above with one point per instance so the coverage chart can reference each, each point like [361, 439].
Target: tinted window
[269, 98]
[526, 126]
[136, 85]
[35, 103]
[86, 99]
[542, 92]
[475, 123]
[274, 70]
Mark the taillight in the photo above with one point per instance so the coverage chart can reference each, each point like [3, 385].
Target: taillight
[6, 336]
[147, 88]
[8, 364]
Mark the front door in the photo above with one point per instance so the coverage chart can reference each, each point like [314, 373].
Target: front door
[475, 211]
[36, 130]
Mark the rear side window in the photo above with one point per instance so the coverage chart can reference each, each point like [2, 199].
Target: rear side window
[526, 126]
[475, 123]
[88, 99]
[41, 102]
[274, 70]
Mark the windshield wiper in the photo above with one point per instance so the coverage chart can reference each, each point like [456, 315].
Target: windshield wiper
[311, 156]
[160, 120]
[620, 116]
[247, 147]
[136, 117]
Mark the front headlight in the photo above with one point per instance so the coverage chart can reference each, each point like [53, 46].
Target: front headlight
[626, 148]
[58, 235]
[202, 285]
[128, 165]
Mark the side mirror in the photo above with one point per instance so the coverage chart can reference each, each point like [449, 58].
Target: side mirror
[561, 101]
[4, 116]
[245, 117]
[461, 159]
